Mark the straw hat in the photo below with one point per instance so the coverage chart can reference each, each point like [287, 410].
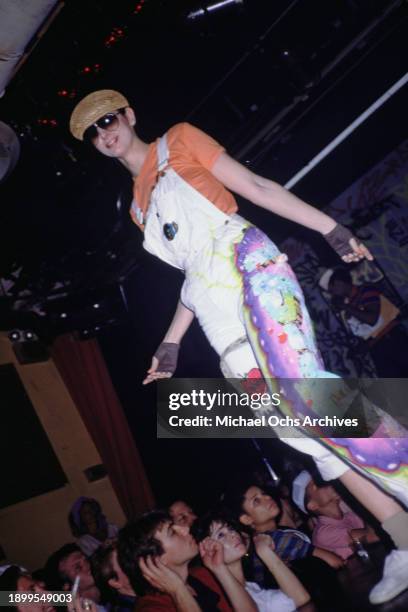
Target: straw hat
[93, 107]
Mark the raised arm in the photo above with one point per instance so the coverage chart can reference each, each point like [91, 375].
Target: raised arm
[212, 556]
[164, 361]
[286, 579]
[270, 195]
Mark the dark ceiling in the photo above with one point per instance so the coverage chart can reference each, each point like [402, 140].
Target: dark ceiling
[273, 80]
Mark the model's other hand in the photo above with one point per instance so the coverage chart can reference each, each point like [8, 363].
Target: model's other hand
[164, 362]
[349, 248]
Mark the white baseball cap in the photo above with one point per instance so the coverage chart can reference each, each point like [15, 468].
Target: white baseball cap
[299, 489]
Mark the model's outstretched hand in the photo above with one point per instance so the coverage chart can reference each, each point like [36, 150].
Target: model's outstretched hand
[164, 362]
[347, 246]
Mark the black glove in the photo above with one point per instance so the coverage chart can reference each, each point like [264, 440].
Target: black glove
[339, 239]
[167, 354]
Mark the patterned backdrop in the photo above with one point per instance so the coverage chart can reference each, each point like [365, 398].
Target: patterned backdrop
[375, 207]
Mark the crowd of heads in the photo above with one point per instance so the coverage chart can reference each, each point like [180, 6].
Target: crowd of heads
[117, 570]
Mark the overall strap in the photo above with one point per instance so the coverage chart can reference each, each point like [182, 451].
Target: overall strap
[162, 153]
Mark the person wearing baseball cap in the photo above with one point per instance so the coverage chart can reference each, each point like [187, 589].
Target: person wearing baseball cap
[336, 526]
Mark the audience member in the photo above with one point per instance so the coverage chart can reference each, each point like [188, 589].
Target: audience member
[218, 527]
[14, 578]
[182, 514]
[314, 567]
[111, 580]
[64, 565]
[155, 554]
[89, 525]
[336, 526]
[375, 319]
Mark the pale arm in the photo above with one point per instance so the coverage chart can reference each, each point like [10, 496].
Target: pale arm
[183, 317]
[286, 579]
[270, 195]
[241, 601]
[182, 320]
[329, 557]
[212, 555]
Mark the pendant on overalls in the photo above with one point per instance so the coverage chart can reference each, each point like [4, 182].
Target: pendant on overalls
[170, 230]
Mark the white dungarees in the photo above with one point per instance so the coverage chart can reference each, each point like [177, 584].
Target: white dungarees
[189, 232]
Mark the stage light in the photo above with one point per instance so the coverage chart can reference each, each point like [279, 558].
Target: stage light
[14, 335]
[63, 315]
[96, 305]
[28, 335]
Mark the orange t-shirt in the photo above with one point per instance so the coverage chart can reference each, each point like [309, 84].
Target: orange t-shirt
[192, 154]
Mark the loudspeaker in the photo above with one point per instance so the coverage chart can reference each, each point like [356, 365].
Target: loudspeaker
[31, 351]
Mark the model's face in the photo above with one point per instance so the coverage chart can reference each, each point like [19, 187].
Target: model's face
[178, 545]
[182, 514]
[116, 142]
[232, 541]
[259, 506]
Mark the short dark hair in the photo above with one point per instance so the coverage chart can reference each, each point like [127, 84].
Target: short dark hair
[201, 528]
[234, 497]
[54, 577]
[9, 582]
[137, 541]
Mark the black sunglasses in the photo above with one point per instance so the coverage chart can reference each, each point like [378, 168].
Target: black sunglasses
[108, 122]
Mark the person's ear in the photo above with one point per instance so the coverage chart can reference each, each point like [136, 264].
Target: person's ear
[130, 116]
[312, 506]
[245, 519]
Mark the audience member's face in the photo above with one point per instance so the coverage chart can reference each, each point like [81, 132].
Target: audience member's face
[340, 288]
[182, 514]
[122, 584]
[76, 564]
[27, 584]
[259, 507]
[178, 545]
[89, 518]
[233, 543]
[319, 497]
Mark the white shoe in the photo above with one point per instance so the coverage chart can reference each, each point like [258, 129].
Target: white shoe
[394, 580]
